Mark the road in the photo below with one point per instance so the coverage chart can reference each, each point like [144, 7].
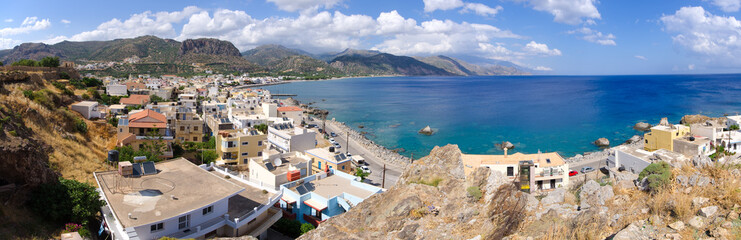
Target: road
[374, 163]
[595, 163]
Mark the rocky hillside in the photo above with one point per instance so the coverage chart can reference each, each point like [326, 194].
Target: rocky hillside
[434, 200]
[385, 64]
[271, 54]
[460, 67]
[209, 46]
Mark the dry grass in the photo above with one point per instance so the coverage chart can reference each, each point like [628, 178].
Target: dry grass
[74, 157]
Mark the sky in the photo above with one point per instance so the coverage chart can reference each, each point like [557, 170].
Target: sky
[560, 37]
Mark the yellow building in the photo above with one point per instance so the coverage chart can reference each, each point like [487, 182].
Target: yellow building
[662, 137]
[188, 125]
[236, 148]
[323, 160]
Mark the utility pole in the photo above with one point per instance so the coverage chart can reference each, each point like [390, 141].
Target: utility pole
[383, 180]
[347, 141]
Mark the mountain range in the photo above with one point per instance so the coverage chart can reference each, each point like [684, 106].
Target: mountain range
[160, 56]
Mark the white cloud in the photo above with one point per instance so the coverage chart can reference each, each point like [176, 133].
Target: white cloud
[691, 67]
[28, 25]
[728, 5]
[717, 39]
[55, 39]
[432, 5]
[146, 23]
[65, 21]
[9, 20]
[542, 68]
[7, 43]
[595, 36]
[481, 9]
[540, 49]
[304, 5]
[567, 11]
[392, 23]
[640, 57]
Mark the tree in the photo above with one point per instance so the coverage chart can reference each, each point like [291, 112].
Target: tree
[126, 154]
[657, 175]
[81, 126]
[1, 64]
[153, 148]
[207, 156]
[288, 227]
[155, 98]
[113, 121]
[359, 173]
[49, 62]
[262, 128]
[306, 227]
[25, 62]
[66, 201]
[733, 127]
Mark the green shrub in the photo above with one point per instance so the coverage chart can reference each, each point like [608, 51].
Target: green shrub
[657, 174]
[49, 62]
[85, 96]
[434, 182]
[59, 85]
[474, 192]
[64, 75]
[66, 201]
[306, 227]
[26, 62]
[208, 156]
[113, 121]
[13, 133]
[81, 126]
[288, 227]
[734, 127]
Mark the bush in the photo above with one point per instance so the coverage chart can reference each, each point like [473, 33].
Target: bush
[25, 62]
[154, 98]
[49, 62]
[64, 75]
[734, 127]
[262, 128]
[85, 96]
[306, 227]
[207, 156]
[474, 192]
[288, 227]
[59, 85]
[66, 201]
[113, 121]
[657, 174]
[81, 126]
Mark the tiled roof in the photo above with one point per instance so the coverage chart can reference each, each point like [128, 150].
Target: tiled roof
[160, 121]
[135, 100]
[289, 109]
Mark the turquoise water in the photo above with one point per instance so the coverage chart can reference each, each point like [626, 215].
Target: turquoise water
[547, 113]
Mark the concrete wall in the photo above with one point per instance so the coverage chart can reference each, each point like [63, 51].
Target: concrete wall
[629, 162]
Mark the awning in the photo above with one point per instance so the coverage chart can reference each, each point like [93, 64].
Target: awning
[287, 199]
[315, 204]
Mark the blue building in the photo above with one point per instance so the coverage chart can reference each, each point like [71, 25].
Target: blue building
[316, 198]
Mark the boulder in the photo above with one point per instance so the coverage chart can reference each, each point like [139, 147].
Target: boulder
[426, 130]
[505, 144]
[708, 211]
[691, 119]
[602, 142]
[699, 201]
[631, 232]
[701, 161]
[642, 126]
[678, 226]
[633, 139]
[696, 222]
[556, 196]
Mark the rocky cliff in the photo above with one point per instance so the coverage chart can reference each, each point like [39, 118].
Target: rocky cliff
[209, 46]
[30, 51]
[433, 200]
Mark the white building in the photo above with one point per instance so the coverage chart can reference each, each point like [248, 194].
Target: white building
[89, 109]
[709, 129]
[115, 89]
[733, 120]
[550, 172]
[187, 100]
[274, 169]
[635, 160]
[287, 138]
[294, 113]
[181, 200]
[270, 109]
[117, 109]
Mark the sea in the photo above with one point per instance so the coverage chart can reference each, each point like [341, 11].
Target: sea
[536, 113]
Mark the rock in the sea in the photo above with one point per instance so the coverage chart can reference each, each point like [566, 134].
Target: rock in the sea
[602, 142]
[642, 126]
[426, 130]
[505, 144]
[690, 119]
[634, 139]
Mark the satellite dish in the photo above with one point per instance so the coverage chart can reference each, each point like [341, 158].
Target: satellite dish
[277, 162]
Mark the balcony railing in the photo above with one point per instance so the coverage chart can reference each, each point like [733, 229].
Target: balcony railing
[313, 220]
[550, 173]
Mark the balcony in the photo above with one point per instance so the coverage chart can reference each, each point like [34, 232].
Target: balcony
[201, 229]
[547, 173]
[313, 220]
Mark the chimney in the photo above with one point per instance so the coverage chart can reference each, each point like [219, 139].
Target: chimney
[505, 152]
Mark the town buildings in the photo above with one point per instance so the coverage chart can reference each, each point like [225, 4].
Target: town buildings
[273, 168]
[89, 109]
[326, 159]
[287, 138]
[144, 127]
[662, 136]
[235, 147]
[292, 112]
[189, 127]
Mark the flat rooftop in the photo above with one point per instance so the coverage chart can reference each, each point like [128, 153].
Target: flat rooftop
[332, 186]
[148, 198]
[542, 159]
[286, 160]
[246, 200]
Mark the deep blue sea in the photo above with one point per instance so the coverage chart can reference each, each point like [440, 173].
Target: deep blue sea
[547, 113]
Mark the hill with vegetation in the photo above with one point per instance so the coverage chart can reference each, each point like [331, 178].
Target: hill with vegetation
[285, 61]
[460, 67]
[384, 64]
[47, 153]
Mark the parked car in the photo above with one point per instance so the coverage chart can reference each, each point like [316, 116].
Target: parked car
[365, 169]
[337, 145]
[587, 169]
[333, 134]
[332, 140]
[573, 173]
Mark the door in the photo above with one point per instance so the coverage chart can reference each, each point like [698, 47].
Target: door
[553, 183]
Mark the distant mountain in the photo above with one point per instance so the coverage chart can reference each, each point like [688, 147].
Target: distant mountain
[270, 54]
[348, 52]
[384, 64]
[211, 53]
[460, 67]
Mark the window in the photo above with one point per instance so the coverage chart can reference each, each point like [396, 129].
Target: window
[319, 164]
[245, 154]
[182, 128]
[208, 210]
[156, 227]
[195, 139]
[259, 143]
[646, 140]
[343, 167]
[184, 222]
[195, 128]
[120, 130]
[259, 154]
[510, 171]
[245, 143]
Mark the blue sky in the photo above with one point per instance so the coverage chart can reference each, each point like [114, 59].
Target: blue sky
[557, 36]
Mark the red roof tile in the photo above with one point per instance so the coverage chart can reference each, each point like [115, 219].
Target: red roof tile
[289, 109]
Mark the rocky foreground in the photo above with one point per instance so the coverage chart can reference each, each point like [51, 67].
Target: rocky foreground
[434, 200]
